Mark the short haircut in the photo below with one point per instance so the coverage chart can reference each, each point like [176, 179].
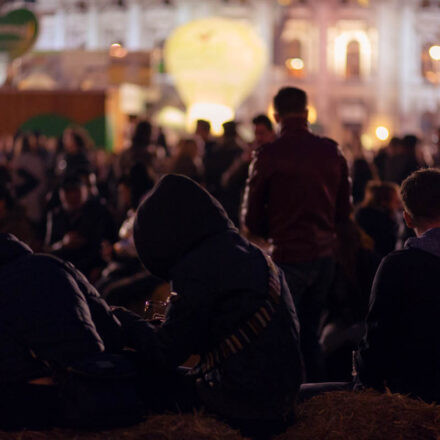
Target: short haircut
[263, 120]
[421, 195]
[290, 100]
[204, 124]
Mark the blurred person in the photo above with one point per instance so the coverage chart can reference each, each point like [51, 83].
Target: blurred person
[361, 171]
[203, 133]
[382, 158]
[140, 150]
[263, 130]
[13, 219]
[30, 177]
[222, 157]
[297, 192]
[76, 228]
[48, 311]
[404, 160]
[344, 319]
[74, 157]
[234, 178]
[231, 306]
[378, 215]
[186, 160]
[399, 351]
[119, 282]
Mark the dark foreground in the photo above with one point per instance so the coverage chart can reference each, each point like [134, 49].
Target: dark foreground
[337, 415]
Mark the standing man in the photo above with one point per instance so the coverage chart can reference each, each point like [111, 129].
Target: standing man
[297, 193]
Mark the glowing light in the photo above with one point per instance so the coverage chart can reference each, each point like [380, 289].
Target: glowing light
[215, 63]
[382, 133]
[217, 114]
[367, 141]
[284, 2]
[117, 50]
[313, 114]
[295, 63]
[171, 117]
[434, 52]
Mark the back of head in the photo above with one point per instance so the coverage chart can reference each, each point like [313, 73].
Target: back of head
[142, 134]
[175, 217]
[410, 142]
[290, 101]
[421, 196]
[380, 194]
[230, 129]
[203, 125]
[263, 120]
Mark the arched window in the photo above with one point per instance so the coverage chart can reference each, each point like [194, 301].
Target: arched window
[353, 61]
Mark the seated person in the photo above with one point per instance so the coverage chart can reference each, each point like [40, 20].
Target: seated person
[47, 306]
[400, 350]
[228, 306]
[76, 229]
[378, 215]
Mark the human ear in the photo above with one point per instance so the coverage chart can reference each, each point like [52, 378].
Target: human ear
[409, 220]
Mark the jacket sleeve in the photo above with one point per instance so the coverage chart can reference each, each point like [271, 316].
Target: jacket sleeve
[255, 201]
[343, 200]
[181, 334]
[374, 359]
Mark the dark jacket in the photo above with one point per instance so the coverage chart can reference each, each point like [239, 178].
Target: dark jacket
[298, 189]
[401, 348]
[49, 306]
[381, 226]
[182, 234]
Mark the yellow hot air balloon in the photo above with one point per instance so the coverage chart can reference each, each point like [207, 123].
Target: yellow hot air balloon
[215, 63]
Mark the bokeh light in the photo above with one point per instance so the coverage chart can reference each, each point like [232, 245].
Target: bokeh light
[295, 64]
[434, 52]
[382, 133]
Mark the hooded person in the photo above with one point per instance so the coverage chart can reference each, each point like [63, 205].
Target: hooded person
[230, 305]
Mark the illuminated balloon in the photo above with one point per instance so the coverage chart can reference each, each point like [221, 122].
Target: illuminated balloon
[215, 64]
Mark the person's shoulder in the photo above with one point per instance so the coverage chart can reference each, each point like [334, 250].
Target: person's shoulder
[407, 258]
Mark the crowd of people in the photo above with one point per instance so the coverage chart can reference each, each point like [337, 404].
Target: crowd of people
[234, 271]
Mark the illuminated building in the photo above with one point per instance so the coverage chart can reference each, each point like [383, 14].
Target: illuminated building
[365, 63]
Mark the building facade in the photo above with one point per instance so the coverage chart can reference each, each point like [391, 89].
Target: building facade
[365, 63]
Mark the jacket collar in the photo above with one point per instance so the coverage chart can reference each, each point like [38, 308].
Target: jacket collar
[293, 123]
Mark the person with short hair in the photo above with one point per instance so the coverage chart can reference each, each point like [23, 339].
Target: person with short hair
[263, 130]
[400, 350]
[297, 192]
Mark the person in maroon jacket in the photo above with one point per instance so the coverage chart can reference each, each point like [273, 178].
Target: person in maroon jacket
[297, 193]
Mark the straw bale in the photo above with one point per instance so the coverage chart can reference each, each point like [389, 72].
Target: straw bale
[340, 415]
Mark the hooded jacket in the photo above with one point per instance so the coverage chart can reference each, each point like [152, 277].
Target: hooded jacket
[183, 235]
[401, 348]
[48, 306]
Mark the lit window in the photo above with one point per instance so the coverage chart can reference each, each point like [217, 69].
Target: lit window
[353, 63]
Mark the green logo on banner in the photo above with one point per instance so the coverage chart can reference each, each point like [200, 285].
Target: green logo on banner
[18, 32]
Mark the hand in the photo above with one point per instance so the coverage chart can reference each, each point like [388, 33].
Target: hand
[73, 240]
